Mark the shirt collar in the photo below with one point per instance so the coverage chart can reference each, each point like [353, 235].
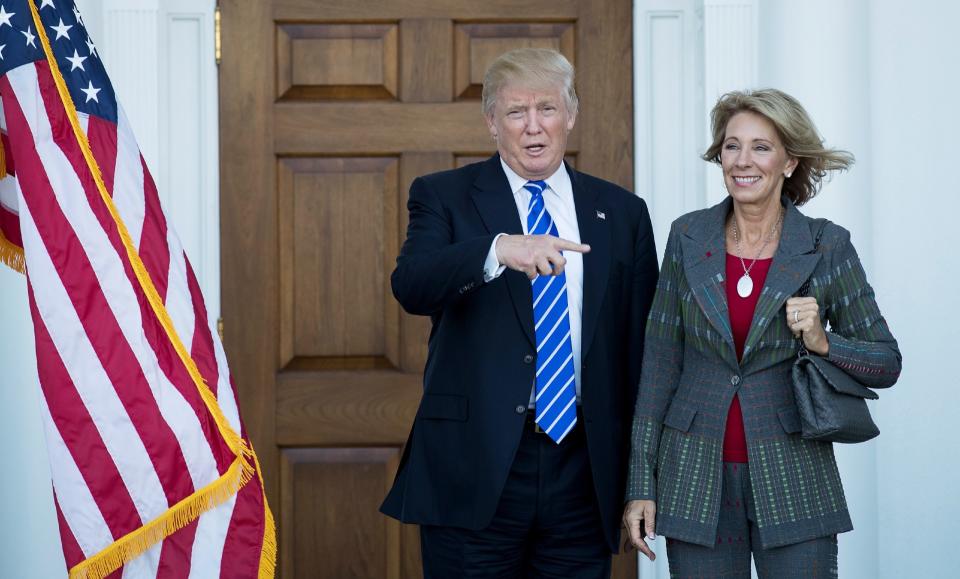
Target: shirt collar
[559, 182]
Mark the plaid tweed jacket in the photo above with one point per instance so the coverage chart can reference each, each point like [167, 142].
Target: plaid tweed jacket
[691, 373]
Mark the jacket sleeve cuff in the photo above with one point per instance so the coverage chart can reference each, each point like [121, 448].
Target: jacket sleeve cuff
[492, 268]
[641, 478]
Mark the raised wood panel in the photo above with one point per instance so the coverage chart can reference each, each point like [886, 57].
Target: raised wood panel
[478, 45]
[337, 61]
[350, 407]
[330, 507]
[338, 228]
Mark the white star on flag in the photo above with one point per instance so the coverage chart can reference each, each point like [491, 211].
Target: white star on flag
[5, 17]
[62, 30]
[76, 61]
[91, 92]
[45, 3]
[92, 48]
[30, 37]
[2, 46]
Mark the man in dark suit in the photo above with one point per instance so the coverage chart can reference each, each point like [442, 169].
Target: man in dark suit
[538, 280]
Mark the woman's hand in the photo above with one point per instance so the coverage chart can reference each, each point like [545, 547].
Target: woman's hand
[633, 514]
[803, 317]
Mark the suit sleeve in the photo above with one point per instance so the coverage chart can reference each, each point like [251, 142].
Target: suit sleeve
[860, 340]
[433, 270]
[660, 375]
[645, 274]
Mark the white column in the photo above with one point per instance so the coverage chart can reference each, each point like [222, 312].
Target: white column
[668, 104]
[730, 63]
[130, 53]
[914, 51]
[668, 139]
[816, 50]
[189, 178]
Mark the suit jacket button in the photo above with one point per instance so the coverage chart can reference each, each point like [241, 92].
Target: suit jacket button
[520, 409]
[528, 359]
[735, 380]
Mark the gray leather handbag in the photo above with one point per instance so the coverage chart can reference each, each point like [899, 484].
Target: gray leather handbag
[832, 405]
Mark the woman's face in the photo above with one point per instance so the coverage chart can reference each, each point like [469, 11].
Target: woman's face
[753, 158]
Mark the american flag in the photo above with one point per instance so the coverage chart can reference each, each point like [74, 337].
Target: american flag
[153, 475]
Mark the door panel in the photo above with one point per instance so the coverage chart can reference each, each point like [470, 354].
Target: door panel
[329, 110]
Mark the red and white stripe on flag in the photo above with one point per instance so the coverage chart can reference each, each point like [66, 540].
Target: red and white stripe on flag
[152, 473]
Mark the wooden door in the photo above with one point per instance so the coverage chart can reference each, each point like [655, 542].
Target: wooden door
[329, 109]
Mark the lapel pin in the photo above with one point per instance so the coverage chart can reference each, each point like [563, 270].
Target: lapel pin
[601, 215]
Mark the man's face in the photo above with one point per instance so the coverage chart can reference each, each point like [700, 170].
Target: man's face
[531, 127]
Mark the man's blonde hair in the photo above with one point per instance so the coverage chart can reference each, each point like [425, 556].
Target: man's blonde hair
[533, 68]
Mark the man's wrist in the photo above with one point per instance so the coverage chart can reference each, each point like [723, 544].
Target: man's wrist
[493, 267]
[496, 248]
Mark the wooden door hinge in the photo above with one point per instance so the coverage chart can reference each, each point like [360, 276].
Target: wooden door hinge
[216, 35]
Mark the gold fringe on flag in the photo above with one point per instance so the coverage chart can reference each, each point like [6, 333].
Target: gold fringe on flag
[130, 546]
[268, 549]
[133, 544]
[11, 254]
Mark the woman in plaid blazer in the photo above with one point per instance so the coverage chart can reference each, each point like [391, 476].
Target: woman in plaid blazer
[717, 462]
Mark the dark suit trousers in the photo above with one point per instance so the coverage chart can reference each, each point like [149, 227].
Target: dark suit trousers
[547, 524]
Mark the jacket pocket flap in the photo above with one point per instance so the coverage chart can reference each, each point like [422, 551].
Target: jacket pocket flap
[839, 380]
[789, 419]
[444, 407]
[680, 416]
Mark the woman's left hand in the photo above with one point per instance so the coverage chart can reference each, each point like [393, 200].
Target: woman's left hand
[803, 317]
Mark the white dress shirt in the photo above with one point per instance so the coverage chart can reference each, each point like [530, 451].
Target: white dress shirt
[558, 197]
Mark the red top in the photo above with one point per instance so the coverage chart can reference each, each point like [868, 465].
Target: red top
[741, 317]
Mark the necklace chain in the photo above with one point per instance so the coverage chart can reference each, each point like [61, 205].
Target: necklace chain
[736, 238]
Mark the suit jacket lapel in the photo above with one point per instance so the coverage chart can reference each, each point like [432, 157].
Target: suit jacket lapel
[793, 263]
[596, 264]
[704, 262]
[498, 210]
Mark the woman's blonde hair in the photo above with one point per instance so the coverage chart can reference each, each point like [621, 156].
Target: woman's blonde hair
[530, 67]
[795, 129]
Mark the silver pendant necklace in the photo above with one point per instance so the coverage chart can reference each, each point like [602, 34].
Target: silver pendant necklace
[745, 283]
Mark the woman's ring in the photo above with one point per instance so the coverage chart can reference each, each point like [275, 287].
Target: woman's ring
[796, 316]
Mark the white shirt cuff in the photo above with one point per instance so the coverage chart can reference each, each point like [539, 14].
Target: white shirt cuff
[492, 268]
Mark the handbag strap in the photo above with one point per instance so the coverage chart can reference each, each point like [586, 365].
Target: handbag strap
[805, 288]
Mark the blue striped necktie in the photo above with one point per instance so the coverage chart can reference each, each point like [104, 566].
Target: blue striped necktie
[556, 392]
